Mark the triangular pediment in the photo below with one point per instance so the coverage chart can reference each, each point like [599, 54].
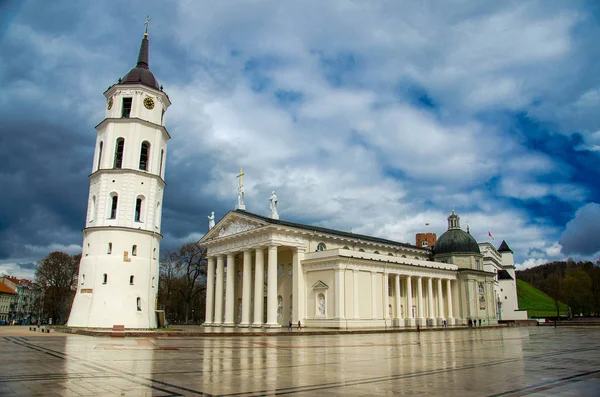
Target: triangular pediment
[232, 223]
[320, 285]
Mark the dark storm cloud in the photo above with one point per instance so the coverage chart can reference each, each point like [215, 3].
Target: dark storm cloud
[582, 234]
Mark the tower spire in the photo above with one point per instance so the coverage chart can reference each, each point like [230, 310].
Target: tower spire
[143, 55]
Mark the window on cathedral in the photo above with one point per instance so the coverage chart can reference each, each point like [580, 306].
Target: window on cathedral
[138, 209]
[144, 156]
[134, 250]
[100, 153]
[321, 247]
[120, 146]
[113, 206]
[477, 264]
[104, 278]
[131, 280]
[139, 304]
[126, 111]
[109, 248]
[93, 209]
[481, 289]
[160, 170]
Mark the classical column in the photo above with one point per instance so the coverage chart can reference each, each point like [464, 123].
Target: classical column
[386, 296]
[410, 319]
[397, 299]
[229, 296]
[247, 273]
[421, 319]
[272, 288]
[373, 299]
[298, 287]
[450, 317]
[430, 313]
[210, 291]
[440, 300]
[339, 293]
[219, 292]
[355, 293]
[259, 289]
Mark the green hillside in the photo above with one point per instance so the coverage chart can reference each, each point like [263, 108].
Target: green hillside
[537, 303]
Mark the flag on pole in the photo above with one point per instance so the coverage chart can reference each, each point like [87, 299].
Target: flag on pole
[490, 234]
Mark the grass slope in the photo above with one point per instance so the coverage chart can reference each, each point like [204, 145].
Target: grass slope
[537, 303]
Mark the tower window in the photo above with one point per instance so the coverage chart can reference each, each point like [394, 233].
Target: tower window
[100, 147]
[93, 209]
[134, 250]
[154, 253]
[126, 107]
[138, 209]
[109, 248]
[144, 156]
[139, 304]
[113, 206]
[162, 116]
[160, 170]
[131, 280]
[104, 278]
[119, 153]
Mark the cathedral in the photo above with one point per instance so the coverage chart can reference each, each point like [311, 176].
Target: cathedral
[263, 271]
[266, 272]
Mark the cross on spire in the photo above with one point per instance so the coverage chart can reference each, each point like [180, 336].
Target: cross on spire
[148, 19]
[241, 174]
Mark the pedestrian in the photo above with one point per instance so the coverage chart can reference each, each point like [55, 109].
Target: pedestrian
[479, 323]
[290, 325]
[299, 325]
[470, 323]
[418, 328]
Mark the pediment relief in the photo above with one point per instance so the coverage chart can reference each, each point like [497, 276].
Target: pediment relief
[319, 285]
[237, 226]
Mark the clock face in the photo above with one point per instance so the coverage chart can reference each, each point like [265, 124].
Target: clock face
[110, 103]
[149, 103]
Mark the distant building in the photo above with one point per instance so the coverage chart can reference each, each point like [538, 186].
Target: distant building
[7, 298]
[26, 307]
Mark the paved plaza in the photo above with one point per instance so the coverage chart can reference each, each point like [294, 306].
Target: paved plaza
[532, 361]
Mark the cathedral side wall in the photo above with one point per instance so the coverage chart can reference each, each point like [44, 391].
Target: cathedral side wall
[327, 277]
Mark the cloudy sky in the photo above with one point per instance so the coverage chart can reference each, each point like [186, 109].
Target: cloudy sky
[370, 116]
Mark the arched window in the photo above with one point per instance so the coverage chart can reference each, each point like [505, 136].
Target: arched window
[104, 278]
[424, 243]
[113, 206]
[154, 253]
[134, 250]
[404, 256]
[100, 147]
[361, 250]
[138, 208]
[346, 247]
[131, 280]
[109, 248]
[144, 153]
[376, 252]
[139, 304]
[416, 257]
[119, 147]
[321, 247]
[390, 254]
[93, 209]
[160, 170]
[82, 279]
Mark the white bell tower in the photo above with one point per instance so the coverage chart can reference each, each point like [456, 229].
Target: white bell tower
[118, 273]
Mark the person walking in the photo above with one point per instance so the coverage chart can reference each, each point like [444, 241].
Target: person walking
[299, 325]
[290, 325]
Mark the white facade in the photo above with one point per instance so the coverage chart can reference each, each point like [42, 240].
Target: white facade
[263, 272]
[119, 269]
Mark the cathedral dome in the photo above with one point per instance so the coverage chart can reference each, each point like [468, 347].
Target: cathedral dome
[141, 73]
[455, 240]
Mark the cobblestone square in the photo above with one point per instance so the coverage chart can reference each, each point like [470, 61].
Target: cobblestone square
[532, 361]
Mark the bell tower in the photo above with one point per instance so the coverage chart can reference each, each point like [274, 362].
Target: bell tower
[119, 269]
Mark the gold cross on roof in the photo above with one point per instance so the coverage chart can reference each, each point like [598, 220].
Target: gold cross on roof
[148, 19]
[240, 176]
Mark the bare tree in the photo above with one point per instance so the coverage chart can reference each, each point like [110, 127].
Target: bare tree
[57, 275]
[183, 278]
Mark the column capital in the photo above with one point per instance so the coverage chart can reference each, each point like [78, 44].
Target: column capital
[299, 249]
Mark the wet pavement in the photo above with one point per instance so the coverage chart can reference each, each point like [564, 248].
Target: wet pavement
[532, 361]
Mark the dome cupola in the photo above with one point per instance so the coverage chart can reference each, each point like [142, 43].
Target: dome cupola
[455, 240]
[141, 73]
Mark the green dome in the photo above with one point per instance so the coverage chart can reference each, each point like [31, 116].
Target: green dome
[456, 241]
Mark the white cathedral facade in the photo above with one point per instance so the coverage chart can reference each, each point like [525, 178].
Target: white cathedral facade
[119, 269]
[265, 272]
